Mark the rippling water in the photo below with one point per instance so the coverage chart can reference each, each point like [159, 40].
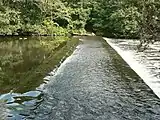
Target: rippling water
[94, 83]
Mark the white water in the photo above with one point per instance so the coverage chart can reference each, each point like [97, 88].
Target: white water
[139, 64]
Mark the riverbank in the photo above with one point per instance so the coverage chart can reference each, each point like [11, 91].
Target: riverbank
[145, 64]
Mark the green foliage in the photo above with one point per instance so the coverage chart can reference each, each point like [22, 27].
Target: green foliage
[48, 17]
[124, 22]
[150, 24]
[9, 22]
[112, 18]
[127, 19]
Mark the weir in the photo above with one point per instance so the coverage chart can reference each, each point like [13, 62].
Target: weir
[145, 64]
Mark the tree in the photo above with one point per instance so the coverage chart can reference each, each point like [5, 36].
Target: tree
[150, 24]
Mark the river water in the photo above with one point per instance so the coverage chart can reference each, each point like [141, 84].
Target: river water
[146, 64]
[94, 83]
[24, 63]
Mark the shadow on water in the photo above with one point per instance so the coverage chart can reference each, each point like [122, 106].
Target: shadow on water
[24, 62]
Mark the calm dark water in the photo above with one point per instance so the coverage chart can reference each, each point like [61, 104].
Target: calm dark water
[24, 63]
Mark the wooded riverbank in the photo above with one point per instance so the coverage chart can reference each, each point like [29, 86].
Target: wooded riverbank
[116, 19]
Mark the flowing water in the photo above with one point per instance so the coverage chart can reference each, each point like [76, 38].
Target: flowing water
[146, 64]
[94, 83]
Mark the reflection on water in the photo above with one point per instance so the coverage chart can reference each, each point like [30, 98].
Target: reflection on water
[24, 62]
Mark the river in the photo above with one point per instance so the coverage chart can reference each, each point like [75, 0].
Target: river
[24, 63]
[93, 83]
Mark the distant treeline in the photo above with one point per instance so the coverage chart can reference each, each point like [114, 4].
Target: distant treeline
[112, 18]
